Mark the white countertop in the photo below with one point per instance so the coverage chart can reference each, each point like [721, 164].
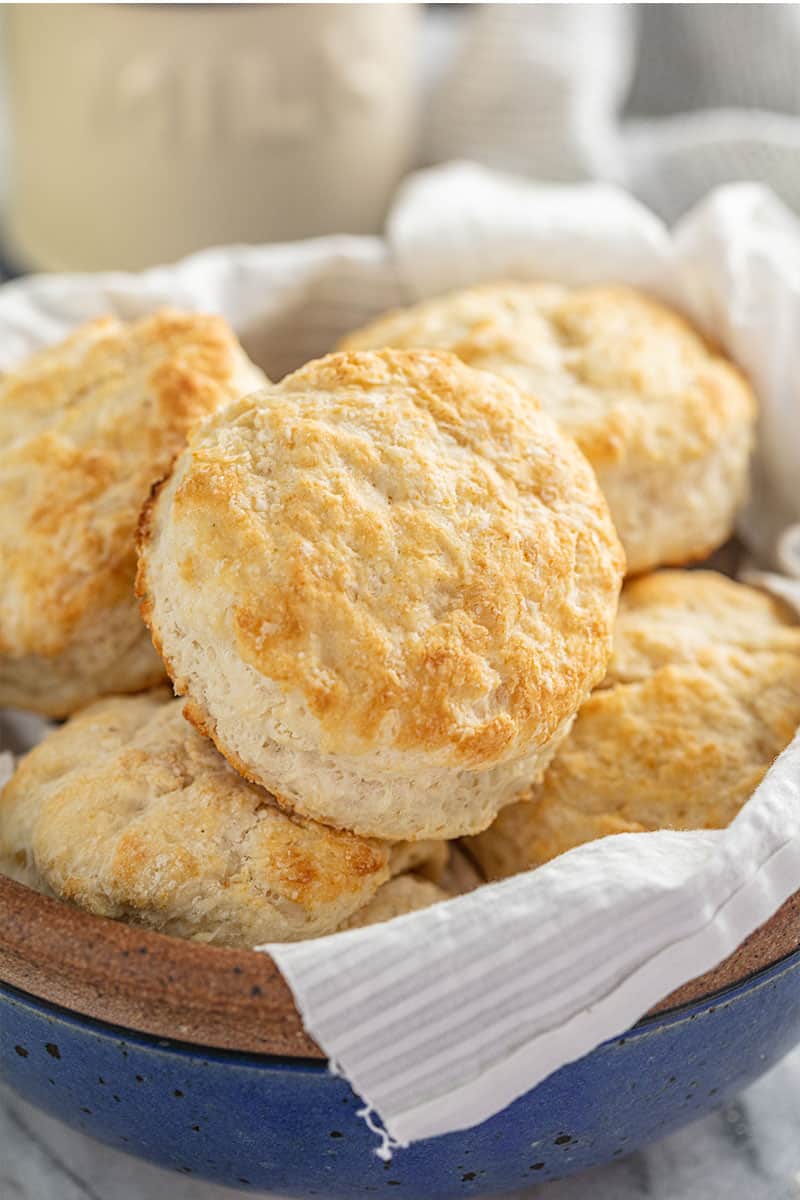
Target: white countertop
[749, 1150]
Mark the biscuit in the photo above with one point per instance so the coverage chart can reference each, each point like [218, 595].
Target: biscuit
[665, 421]
[703, 693]
[127, 811]
[403, 894]
[86, 427]
[673, 617]
[386, 586]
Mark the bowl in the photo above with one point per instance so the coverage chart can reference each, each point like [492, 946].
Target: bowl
[195, 1058]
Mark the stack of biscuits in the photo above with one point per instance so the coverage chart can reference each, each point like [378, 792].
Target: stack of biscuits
[388, 594]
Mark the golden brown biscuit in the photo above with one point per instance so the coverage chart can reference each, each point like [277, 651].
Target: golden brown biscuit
[666, 422]
[673, 617]
[386, 586]
[702, 695]
[128, 812]
[86, 427]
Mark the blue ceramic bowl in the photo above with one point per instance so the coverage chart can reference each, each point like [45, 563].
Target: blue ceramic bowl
[287, 1125]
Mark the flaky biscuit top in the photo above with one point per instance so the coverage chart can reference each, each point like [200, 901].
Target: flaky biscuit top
[702, 694]
[86, 427]
[625, 376]
[127, 811]
[405, 545]
[672, 617]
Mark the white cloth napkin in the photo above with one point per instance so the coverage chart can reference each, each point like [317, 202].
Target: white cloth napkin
[669, 100]
[441, 1018]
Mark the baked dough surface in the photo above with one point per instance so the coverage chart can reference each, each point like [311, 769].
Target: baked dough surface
[664, 419]
[128, 812]
[378, 582]
[86, 427]
[702, 694]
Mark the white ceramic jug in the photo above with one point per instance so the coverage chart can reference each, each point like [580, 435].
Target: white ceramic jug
[143, 132]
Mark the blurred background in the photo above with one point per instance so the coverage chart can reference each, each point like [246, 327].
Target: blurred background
[138, 133]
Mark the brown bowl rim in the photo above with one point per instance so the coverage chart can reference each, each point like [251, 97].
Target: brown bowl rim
[228, 999]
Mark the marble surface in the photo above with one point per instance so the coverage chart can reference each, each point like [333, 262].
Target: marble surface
[749, 1150]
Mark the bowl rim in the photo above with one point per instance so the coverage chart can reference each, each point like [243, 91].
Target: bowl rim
[646, 1026]
[227, 999]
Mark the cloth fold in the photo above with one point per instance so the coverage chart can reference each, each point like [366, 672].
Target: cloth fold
[669, 100]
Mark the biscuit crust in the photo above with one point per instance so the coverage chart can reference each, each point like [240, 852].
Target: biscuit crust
[674, 617]
[702, 694]
[128, 812]
[403, 894]
[86, 427]
[666, 422]
[391, 564]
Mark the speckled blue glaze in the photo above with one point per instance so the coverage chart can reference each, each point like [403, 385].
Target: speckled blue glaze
[288, 1126]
